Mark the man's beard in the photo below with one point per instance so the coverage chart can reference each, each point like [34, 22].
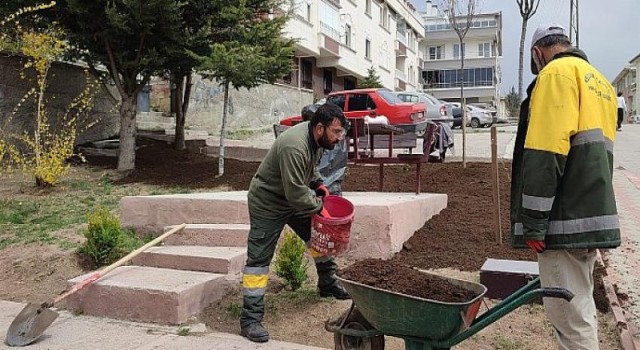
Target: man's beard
[325, 143]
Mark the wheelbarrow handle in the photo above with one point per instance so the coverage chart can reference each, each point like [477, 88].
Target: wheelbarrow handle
[556, 292]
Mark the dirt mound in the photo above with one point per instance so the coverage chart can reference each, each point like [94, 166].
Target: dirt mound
[403, 279]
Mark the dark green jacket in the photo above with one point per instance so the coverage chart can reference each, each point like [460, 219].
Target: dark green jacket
[281, 184]
[562, 189]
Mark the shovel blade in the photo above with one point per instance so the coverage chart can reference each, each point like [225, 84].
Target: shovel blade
[29, 325]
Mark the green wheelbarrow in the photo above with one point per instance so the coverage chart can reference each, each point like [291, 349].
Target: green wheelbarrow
[424, 324]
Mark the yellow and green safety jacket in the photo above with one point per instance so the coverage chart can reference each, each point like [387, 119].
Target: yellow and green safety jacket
[562, 189]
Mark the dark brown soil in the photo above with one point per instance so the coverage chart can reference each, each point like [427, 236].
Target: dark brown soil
[461, 237]
[403, 279]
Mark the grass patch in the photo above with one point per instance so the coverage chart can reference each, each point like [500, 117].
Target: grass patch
[34, 216]
[503, 343]
[234, 309]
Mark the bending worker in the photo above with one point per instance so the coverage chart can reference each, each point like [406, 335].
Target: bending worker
[285, 191]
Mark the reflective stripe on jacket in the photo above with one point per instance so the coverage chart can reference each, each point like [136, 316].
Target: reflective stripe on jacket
[562, 186]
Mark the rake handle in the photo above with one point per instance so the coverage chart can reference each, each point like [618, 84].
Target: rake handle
[97, 275]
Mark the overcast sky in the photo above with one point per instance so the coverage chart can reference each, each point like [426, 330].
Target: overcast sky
[609, 32]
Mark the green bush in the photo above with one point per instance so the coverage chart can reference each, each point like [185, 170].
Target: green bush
[106, 241]
[291, 264]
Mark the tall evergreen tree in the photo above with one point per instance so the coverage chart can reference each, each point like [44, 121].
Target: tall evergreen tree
[372, 80]
[249, 52]
[513, 103]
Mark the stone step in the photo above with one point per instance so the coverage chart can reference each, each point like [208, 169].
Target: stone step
[383, 221]
[148, 294]
[153, 213]
[225, 260]
[210, 235]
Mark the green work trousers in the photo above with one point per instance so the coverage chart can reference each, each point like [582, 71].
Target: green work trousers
[261, 245]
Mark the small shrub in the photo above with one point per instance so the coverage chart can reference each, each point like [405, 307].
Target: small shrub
[183, 331]
[106, 241]
[291, 264]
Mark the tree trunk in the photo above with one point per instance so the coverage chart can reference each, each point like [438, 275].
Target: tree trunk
[463, 106]
[179, 143]
[127, 150]
[223, 129]
[523, 33]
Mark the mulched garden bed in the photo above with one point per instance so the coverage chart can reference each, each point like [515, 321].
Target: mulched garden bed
[403, 279]
[460, 237]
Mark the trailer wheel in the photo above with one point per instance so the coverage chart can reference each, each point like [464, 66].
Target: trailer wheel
[346, 342]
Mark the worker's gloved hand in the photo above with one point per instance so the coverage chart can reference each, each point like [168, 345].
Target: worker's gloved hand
[324, 213]
[536, 246]
[322, 191]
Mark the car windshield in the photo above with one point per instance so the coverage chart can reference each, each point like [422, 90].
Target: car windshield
[432, 99]
[389, 96]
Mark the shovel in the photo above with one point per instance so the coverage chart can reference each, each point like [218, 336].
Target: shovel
[34, 319]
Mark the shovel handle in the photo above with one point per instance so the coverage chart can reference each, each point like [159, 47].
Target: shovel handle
[97, 275]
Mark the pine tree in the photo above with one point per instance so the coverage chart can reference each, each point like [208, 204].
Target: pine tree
[513, 103]
[249, 52]
[372, 80]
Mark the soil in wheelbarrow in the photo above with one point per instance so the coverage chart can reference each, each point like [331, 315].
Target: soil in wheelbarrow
[400, 278]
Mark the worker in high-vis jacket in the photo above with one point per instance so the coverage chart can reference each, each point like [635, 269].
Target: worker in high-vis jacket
[563, 204]
[287, 190]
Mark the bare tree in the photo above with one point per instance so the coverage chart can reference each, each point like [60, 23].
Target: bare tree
[528, 8]
[460, 15]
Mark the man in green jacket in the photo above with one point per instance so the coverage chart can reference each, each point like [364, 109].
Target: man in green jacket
[287, 190]
[563, 205]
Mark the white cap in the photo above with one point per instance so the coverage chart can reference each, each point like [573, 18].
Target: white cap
[545, 30]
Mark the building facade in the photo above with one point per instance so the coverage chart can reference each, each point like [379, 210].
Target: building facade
[627, 82]
[482, 49]
[339, 40]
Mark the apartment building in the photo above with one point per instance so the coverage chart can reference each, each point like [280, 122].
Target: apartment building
[627, 82]
[339, 40]
[482, 50]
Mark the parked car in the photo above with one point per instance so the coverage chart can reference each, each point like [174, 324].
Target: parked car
[383, 102]
[435, 108]
[476, 116]
[479, 117]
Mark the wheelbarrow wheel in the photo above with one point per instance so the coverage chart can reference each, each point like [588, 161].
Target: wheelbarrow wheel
[356, 321]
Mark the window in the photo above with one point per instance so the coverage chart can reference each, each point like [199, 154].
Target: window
[349, 84]
[329, 21]
[302, 9]
[347, 35]
[367, 49]
[451, 78]
[389, 96]
[484, 50]
[384, 17]
[307, 80]
[456, 50]
[367, 7]
[327, 81]
[435, 52]
[384, 56]
[360, 102]
[337, 100]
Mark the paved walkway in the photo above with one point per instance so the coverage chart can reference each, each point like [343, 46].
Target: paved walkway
[85, 332]
[625, 260]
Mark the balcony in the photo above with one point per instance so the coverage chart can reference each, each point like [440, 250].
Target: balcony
[401, 75]
[401, 49]
[401, 37]
[328, 41]
[400, 85]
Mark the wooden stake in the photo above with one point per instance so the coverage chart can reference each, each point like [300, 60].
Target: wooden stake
[495, 179]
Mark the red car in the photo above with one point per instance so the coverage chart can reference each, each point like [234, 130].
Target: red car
[363, 102]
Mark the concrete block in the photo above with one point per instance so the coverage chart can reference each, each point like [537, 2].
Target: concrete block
[153, 213]
[148, 294]
[210, 235]
[247, 154]
[383, 221]
[225, 260]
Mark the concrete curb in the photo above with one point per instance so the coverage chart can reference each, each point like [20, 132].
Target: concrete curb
[625, 329]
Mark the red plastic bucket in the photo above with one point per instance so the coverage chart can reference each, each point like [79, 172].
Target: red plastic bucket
[330, 236]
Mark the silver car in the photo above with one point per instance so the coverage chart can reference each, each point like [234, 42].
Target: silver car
[435, 108]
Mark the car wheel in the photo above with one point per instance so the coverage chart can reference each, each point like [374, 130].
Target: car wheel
[475, 123]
